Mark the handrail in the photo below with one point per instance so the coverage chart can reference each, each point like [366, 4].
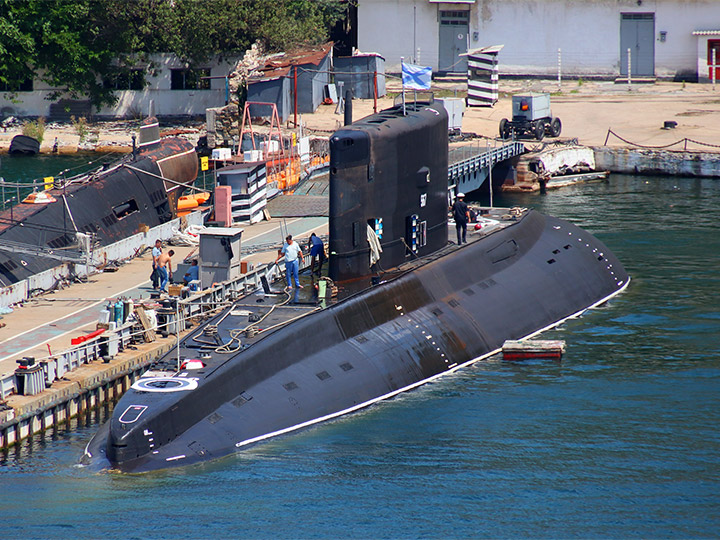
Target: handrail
[202, 303]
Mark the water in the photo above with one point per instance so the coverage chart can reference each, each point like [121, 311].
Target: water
[620, 440]
[26, 169]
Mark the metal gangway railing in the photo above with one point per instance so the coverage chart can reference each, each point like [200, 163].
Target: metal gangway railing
[469, 159]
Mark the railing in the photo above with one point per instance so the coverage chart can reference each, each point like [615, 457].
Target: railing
[111, 342]
[468, 159]
[11, 193]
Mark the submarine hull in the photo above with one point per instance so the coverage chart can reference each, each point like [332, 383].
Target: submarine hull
[110, 204]
[268, 365]
[434, 319]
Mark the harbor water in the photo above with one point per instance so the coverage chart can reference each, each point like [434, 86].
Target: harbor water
[619, 440]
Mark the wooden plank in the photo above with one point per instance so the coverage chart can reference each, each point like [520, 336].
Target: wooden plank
[148, 332]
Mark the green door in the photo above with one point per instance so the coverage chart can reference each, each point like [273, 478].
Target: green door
[453, 41]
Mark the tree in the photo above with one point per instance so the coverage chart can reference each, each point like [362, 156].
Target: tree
[75, 45]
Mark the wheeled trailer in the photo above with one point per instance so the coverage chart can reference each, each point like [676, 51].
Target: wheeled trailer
[531, 116]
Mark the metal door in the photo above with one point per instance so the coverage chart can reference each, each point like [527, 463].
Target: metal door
[713, 45]
[453, 41]
[637, 33]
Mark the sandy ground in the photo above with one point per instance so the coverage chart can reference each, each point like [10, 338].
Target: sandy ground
[587, 110]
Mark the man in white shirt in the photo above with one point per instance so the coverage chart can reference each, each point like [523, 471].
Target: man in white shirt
[292, 251]
[156, 252]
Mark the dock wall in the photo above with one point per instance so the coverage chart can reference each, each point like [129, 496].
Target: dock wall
[662, 162]
[71, 398]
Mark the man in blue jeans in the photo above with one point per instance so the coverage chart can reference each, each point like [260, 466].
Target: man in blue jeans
[164, 268]
[292, 251]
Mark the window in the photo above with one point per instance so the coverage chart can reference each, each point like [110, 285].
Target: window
[125, 209]
[25, 86]
[129, 80]
[189, 79]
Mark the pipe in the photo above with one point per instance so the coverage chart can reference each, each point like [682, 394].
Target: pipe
[348, 107]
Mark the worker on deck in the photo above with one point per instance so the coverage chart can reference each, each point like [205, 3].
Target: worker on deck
[317, 250]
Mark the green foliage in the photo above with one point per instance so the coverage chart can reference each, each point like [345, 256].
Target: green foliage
[35, 129]
[81, 127]
[75, 45]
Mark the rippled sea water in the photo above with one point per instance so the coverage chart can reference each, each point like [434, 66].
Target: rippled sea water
[619, 440]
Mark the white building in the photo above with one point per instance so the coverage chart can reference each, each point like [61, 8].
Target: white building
[593, 36]
[174, 89]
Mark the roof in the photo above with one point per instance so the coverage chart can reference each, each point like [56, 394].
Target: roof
[279, 65]
[706, 33]
[493, 49]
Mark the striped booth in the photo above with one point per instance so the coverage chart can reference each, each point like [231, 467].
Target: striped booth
[483, 76]
[248, 183]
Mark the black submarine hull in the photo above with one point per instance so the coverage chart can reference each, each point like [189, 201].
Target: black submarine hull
[111, 204]
[401, 334]
[431, 308]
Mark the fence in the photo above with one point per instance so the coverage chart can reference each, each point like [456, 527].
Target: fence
[111, 342]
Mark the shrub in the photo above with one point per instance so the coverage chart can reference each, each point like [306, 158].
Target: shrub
[35, 129]
[81, 127]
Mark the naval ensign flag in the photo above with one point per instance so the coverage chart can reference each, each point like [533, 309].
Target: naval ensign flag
[416, 77]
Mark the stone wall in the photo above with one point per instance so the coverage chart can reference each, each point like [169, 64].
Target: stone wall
[222, 124]
[666, 162]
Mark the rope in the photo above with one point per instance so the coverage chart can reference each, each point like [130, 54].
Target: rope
[683, 141]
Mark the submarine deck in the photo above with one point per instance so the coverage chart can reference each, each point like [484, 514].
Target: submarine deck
[255, 315]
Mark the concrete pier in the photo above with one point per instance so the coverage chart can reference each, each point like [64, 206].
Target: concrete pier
[657, 162]
[50, 322]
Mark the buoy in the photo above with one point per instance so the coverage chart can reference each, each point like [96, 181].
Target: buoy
[529, 349]
[39, 198]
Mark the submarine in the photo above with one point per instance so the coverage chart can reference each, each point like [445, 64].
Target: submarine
[108, 204]
[405, 313]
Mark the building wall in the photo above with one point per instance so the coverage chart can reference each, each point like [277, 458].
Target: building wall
[587, 32]
[135, 103]
[311, 83]
[277, 91]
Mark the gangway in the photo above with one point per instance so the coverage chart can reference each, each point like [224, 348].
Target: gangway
[469, 165]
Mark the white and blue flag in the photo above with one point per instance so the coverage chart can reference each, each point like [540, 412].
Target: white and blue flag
[416, 77]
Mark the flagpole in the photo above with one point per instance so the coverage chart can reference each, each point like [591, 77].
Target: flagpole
[402, 79]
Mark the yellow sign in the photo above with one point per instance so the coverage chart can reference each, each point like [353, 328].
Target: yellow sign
[294, 139]
[204, 163]
[49, 182]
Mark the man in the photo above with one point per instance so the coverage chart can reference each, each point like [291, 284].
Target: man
[317, 249]
[292, 251]
[192, 274]
[164, 267]
[461, 216]
[156, 252]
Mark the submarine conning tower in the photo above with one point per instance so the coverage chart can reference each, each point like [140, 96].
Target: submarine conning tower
[388, 172]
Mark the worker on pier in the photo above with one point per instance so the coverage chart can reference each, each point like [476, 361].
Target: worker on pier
[164, 266]
[191, 275]
[156, 252]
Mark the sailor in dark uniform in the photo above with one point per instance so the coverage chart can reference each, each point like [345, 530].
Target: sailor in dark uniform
[461, 216]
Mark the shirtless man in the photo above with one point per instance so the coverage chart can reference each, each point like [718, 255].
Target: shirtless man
[164, 267]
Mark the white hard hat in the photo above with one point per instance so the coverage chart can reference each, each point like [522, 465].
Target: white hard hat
[460, 195]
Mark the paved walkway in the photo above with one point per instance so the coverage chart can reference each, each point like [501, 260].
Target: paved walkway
[50, 321]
